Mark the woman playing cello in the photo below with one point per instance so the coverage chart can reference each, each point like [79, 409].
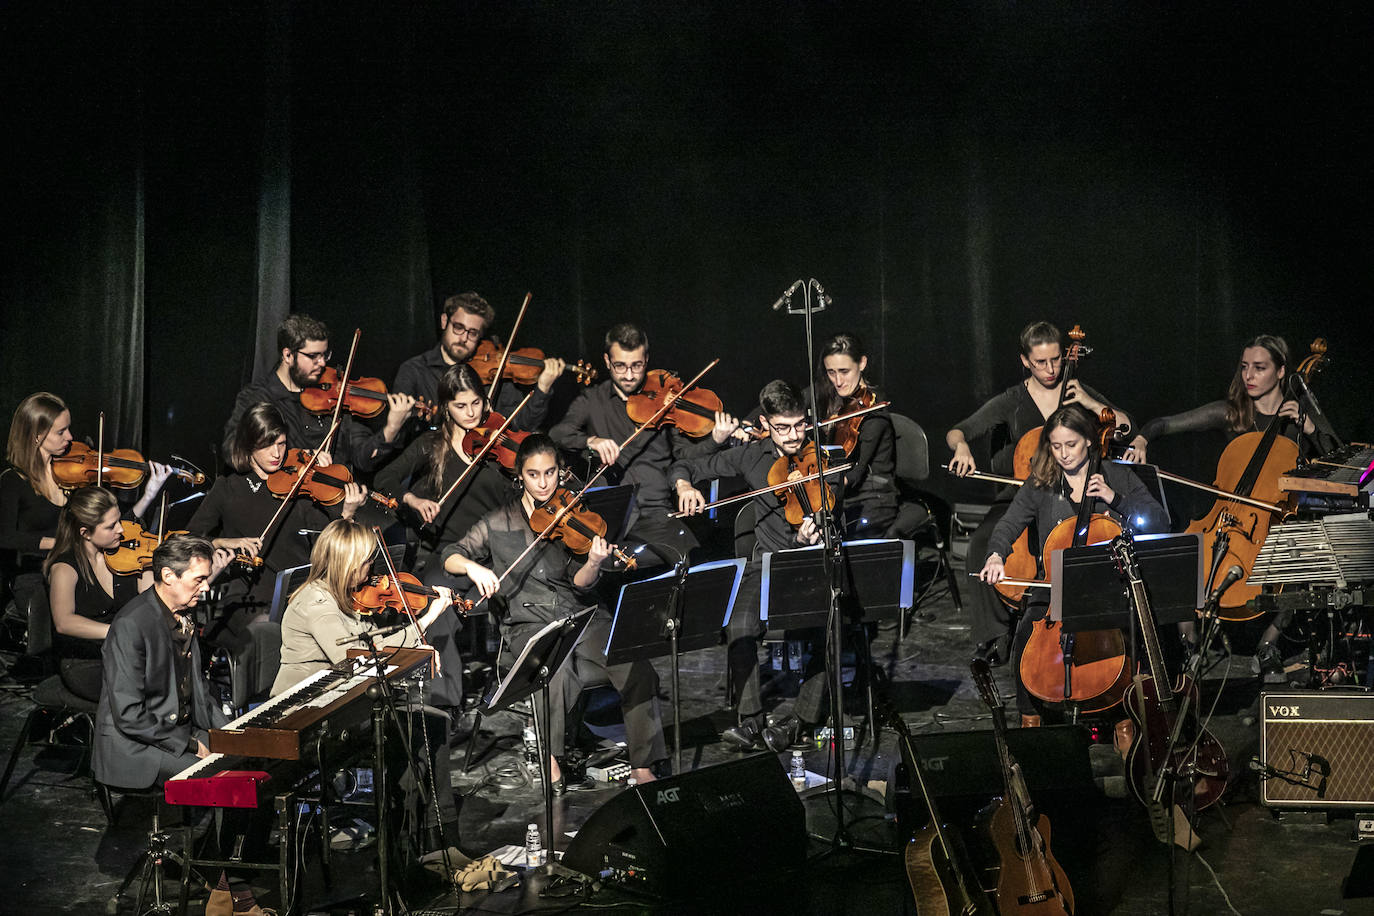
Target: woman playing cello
[1008, 417]
[1255, 400]
[1058, 484]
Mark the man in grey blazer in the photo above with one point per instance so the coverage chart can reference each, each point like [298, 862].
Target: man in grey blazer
[156, 708]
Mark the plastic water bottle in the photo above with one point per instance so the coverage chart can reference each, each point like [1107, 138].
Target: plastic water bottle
[534, 847]
[798, 772]
[531, 742]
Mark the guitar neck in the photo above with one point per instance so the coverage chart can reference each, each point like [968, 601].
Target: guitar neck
[1150, 636]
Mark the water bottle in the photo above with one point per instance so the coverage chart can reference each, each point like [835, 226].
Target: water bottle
[531, 742]
[534, 847]
[798, 772]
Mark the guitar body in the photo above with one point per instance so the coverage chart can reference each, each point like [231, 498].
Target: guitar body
[1025, 872]
[935, 881]
[1154, 723]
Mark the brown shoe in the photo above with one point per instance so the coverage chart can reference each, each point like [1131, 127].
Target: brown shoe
[1122, 736]
[1030, 721]
[221, 903]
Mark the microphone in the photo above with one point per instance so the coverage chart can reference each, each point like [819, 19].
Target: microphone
[786, 297]
[1299, 386]
[1233, 575]
[822, 300]
[374, 634]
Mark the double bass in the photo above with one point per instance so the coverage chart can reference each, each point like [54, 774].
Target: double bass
[1089, 670]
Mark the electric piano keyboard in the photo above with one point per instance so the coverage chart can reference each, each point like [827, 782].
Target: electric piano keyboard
[1343, 472]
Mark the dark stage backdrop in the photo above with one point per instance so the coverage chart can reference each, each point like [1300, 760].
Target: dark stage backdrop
[1175, 182]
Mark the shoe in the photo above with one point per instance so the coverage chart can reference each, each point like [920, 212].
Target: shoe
[782, 734]
[221, 903]
[994, 651]
[747, 736]
[1267, 659]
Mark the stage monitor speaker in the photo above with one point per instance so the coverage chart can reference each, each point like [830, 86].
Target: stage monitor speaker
[1317, 749]
[1052, 759]
[684, 834]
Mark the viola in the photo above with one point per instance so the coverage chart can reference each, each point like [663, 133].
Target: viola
[405, 594]
[1030, 879]
[134, 553]
[522, 366]
[576, 526]
[324, 485]
[362, 397]
[123, 468]
[693, 410]
[498, 443]
[845, 433]
[1159, 711]
[1088, 669]
[1030, 440]
[805, 498]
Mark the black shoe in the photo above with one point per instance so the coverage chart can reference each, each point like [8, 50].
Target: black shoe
[747, 736]
[783, 734]
[995, 651]
[1267, 659]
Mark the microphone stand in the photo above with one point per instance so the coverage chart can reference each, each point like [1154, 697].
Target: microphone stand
[672, 628]
[830, 560]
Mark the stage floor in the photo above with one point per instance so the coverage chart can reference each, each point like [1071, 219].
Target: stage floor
[61, 858]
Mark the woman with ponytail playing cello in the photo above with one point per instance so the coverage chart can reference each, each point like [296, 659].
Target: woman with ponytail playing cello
[1059, 482]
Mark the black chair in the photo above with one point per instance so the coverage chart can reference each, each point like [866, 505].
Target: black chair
[915, 516]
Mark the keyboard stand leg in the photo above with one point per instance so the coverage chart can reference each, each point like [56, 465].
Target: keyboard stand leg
[286, 829]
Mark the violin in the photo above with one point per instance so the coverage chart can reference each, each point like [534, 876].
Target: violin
[123, 468]
[522, 366]
[362, 397]
[498, 444]
[405, 594]
[845, 433]
[1088, 669]
[324, 485]
[802, 499]
[692, 411]
[134, 553]
[576, 527]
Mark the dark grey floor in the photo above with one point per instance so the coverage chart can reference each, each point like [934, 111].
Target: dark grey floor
[60, 857]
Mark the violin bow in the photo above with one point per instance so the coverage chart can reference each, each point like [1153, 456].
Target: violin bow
[505, 353]
[476, 459]
[100, 450]
[854, 413]
[740, 497]
[572, 503]
[343, 392]
[297, 484]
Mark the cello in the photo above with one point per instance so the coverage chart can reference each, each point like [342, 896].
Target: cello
[1030, 440]
[1089, 669]
[1232, 531]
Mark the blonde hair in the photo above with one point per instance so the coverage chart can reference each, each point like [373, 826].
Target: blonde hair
[33, 419]
[343, 548]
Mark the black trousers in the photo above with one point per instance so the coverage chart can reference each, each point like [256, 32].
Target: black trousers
[988, 617]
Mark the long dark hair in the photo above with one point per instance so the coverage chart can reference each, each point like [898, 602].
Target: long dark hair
[839, 345]
[1045, 472]
[458, 378]
[1240, 407]
[259, 427]
[86, 508]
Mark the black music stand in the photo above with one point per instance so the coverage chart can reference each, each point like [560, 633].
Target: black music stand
[614, 504]
[1170, 564]
[1148, 475]
[879, 574]
[664, 616]
[530, 673]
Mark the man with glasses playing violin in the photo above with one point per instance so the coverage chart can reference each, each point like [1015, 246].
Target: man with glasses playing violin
[783, 415]
[598, 422]
[466, 319]
[305, 354]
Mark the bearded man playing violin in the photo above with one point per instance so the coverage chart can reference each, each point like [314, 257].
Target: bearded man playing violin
[597, 421]
[304, 345]
[465, 321]
[783, 415]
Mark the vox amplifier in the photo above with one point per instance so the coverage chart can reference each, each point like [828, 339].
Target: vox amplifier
[1317, 749]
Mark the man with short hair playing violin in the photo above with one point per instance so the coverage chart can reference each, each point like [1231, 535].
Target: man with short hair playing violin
[598, 420]
[465, 321]
[305, 353]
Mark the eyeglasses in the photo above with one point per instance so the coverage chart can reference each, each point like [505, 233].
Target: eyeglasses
[457, 330]
[622, 368]
[784, 429]
[319, 357]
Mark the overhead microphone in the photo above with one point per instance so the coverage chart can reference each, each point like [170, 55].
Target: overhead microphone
[786, 297]
[822, 300]
[1300, 389]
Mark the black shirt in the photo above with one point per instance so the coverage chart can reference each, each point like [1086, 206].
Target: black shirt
[353, 446]
[600, 411]
[94, 604]
[25, 516]
[419, 377]
[1212, 416]
[752, 462]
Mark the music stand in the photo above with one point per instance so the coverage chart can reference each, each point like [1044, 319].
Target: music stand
[543, 654]
[1148, 475]
[614, 504]
[879, 573]
[1170, 564]
[664, 616]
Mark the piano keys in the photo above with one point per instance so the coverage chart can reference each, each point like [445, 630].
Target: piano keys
[1345, 472]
